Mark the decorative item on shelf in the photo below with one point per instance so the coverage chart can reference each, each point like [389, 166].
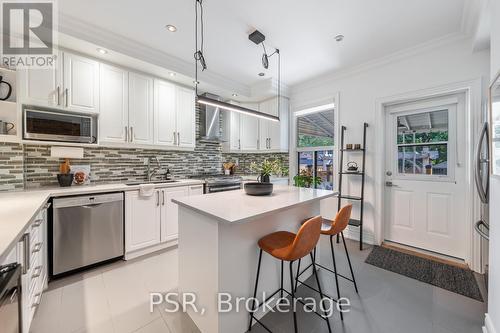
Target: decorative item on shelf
[65, 177]
[348, 146]
[357, 146]
[6, 127]
[258, 189]
[352, 166]
[81, 174]
[266, 169]
[306, 179]
[9, 89]
[228, 168]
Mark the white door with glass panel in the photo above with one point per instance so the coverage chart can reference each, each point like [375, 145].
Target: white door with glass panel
[424, 179]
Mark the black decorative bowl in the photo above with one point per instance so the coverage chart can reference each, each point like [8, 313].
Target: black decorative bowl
[258, 188]
[65, 179]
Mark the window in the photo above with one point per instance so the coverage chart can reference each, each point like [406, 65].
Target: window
[422, 143]
[315, 142]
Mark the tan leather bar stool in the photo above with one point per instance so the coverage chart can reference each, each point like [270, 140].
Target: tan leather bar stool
[287, 246]
[333, 228]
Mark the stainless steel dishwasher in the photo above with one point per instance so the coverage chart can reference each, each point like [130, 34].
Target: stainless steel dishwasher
[86, 230]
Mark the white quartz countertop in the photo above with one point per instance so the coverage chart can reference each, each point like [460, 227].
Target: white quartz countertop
[19, 208]
[236, 206]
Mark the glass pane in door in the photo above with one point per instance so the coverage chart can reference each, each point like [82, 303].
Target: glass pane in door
[306, 162]
[422, 143]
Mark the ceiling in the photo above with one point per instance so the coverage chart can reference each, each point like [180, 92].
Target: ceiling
[303, 30]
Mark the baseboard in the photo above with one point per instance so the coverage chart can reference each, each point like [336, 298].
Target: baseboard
[488, 325]
[353, 233]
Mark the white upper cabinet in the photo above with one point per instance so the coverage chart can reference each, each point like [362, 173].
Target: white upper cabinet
[234, 136]
[140, 108]
[272, 133]
[164, 113]
[185, 119]
[43, 87]
[249, 129]
[81, 83]
[113, 118]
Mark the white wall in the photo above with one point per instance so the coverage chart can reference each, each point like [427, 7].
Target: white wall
[449, 63]
[493, 318]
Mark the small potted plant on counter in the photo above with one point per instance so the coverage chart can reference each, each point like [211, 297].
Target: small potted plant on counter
[306, 179]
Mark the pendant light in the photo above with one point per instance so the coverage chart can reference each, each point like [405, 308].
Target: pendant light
[200, 60]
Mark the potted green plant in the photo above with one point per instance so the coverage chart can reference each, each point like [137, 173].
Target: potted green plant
[306, 179]
[266, 169]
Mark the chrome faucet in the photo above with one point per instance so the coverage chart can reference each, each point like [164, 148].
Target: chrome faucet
[154, 171]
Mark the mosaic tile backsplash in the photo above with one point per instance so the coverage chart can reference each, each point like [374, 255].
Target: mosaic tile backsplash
[11, 166]
[244, 160]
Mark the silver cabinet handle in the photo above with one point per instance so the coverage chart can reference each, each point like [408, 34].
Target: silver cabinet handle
[239, 144]
[37, 272]
[131, 134]
[175, 139]
[58, 97]
[37, 247]
[157, 198]
[163, 198]
[196, 187]
[66, 95]
[269, 143]
[126, 134]
[178, 138]
[26, 253]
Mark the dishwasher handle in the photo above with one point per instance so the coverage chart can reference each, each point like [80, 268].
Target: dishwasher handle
[88, 200]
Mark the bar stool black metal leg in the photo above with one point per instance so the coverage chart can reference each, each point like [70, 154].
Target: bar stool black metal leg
[349, 261]
[320, 292]
[255, 291]
[297, 276]
[336, 276]
[281, 285]
[293, 299]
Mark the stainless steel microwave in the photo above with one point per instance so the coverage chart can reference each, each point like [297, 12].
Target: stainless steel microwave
[58, 126]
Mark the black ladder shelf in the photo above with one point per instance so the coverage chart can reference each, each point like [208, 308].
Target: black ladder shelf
[353, 222]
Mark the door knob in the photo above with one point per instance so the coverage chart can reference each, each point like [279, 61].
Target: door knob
[389, 173]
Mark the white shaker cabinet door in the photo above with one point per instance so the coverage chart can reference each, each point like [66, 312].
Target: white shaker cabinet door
[165, 127]
[43, 87]
[186, 126]
[81, 83]
[140, 112]
[170, 212]
[142, 220]
[113, 118]
[249, 132]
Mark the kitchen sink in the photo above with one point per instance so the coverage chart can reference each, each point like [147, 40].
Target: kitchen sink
[151, 182]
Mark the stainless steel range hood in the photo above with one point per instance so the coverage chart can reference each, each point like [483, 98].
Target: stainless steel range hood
[210, 126]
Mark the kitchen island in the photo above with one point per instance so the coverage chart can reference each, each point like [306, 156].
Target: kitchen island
[218, 251]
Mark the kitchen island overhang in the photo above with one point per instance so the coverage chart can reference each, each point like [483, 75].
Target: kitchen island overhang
[218, 253]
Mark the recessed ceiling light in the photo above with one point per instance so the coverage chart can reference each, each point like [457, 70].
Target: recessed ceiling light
[339, 38]
[235, 95]
[262, 74]
[171, 28]
[102, 51]
[171, 74]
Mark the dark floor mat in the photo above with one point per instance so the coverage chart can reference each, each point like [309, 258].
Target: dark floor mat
[455, 279]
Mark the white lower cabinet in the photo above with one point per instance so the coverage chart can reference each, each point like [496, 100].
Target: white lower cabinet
[151, 222]
[32, 255]
[170, 212]
[142, 220]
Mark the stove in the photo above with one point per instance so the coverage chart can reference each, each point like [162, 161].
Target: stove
[218, 182]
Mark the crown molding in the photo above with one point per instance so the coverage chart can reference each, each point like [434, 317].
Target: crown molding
[82, 30]
[379, 62]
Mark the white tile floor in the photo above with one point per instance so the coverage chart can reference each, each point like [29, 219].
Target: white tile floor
[113, 298]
